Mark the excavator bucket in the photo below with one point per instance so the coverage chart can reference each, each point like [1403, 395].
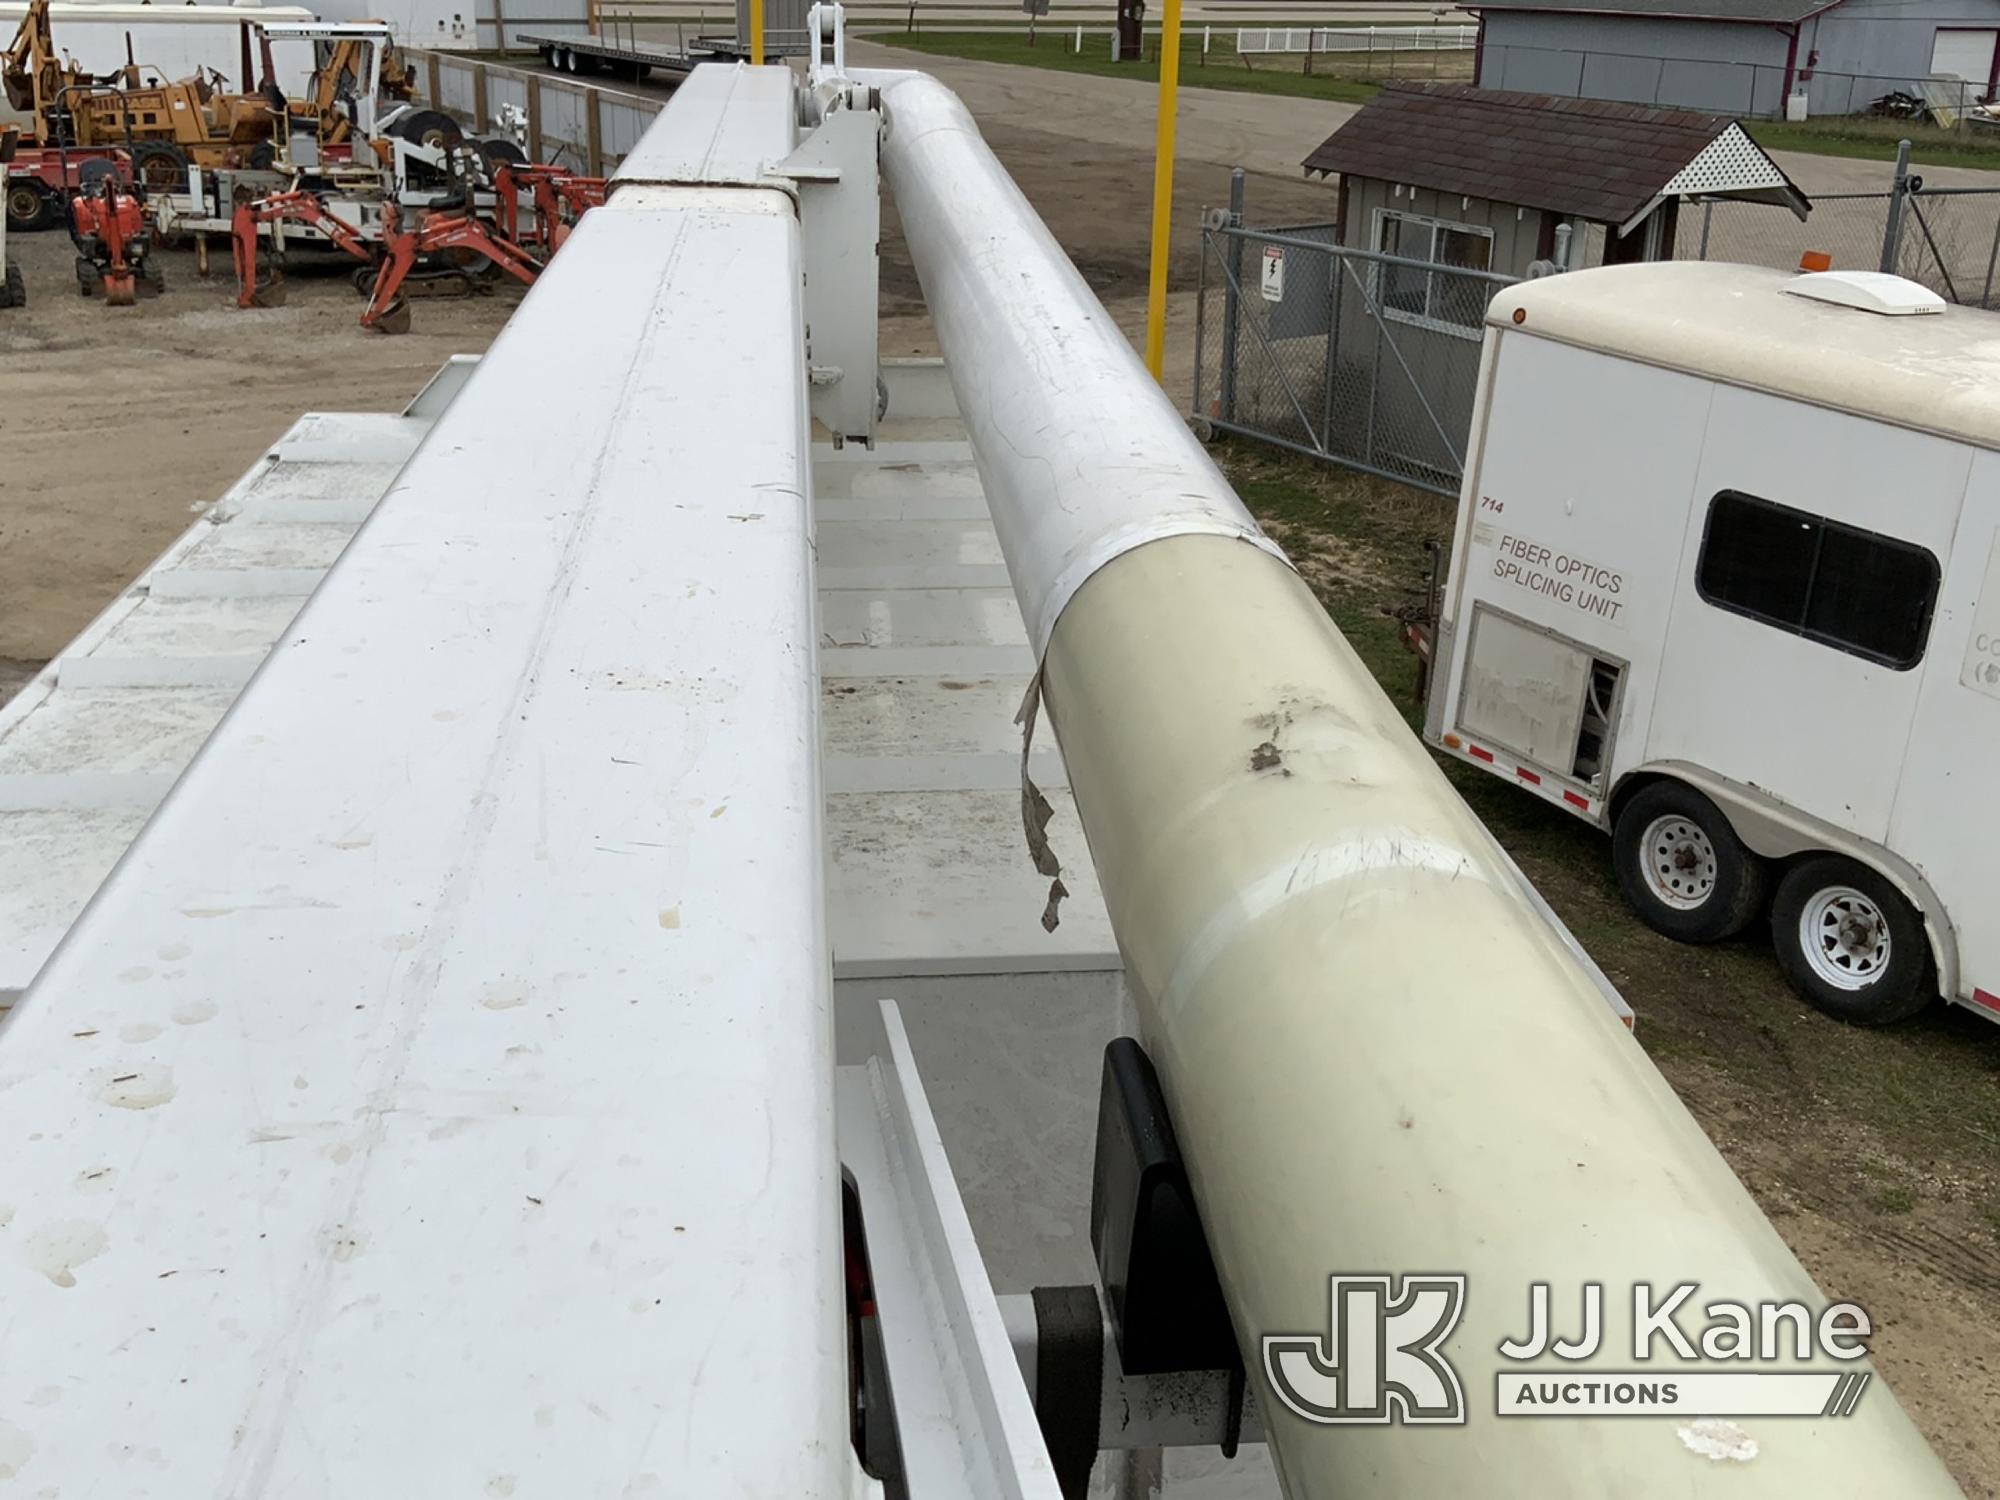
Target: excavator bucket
[120, 289]
[395, 318]
[269, 290]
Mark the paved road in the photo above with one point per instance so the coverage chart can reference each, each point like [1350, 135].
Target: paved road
[1262, 132]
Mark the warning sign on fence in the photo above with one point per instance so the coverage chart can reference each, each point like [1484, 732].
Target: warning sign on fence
[1274, 273]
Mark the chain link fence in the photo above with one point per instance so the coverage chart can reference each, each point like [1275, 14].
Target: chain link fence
[1371, 360]
[1362, 359]
[1946, 238]
[1750, 90]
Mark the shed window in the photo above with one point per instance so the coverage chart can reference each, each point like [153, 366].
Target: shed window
[1854, 590]
[1453, 304]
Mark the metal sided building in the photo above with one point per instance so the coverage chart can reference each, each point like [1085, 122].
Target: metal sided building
[1739, 57]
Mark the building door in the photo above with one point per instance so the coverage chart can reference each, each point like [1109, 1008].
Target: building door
[1965, 54]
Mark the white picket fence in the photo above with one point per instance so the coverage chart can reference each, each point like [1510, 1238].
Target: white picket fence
[1251, 40]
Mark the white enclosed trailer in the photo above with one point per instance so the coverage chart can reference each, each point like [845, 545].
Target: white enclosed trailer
[1726, 584]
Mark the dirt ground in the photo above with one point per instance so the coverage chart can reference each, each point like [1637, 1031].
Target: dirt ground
[121, 422]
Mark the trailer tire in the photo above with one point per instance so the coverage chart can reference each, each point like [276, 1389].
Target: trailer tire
[431, 128]
[1683, 868]
[30, 206]
[500, 151]
[13, 291]
[159, 167]
[1850, 944]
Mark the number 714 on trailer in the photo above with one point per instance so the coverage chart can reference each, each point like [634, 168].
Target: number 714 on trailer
[1726, 583]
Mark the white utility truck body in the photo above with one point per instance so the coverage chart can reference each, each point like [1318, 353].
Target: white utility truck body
[1719, 530]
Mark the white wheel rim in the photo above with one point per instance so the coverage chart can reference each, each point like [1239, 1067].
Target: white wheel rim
[1845, 938]
[1677, 861]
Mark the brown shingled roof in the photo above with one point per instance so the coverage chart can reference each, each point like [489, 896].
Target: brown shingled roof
[1588, 157]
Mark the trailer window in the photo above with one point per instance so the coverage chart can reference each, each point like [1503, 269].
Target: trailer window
[1854, 590]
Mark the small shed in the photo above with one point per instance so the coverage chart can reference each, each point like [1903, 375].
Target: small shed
[1479, 178]
[1745, 57]
[1474, 184]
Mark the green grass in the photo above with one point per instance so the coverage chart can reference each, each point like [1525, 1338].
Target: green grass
[1875, 140]
[1719, 1020]
[1894, 1200]
[1224, 69]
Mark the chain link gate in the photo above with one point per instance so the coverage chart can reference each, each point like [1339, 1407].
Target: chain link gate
[1359, 358]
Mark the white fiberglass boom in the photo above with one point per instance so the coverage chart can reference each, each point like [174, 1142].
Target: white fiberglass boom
[1380, 1056]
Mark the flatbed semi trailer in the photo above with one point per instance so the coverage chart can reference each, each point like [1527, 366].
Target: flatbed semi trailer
[573, 50]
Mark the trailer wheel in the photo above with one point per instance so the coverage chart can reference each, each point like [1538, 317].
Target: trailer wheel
[159, 167]
[431, 128]
[1850, 943]
[499, 152]
[30, 206]
[1683, 868]
[15, 293]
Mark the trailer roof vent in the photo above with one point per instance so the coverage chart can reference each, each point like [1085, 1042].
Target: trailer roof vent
[1871, 291]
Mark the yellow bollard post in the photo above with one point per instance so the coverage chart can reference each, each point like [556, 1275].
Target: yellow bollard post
[1163, 188]
[756, 33]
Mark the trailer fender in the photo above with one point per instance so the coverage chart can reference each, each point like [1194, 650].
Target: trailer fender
[1779, 831]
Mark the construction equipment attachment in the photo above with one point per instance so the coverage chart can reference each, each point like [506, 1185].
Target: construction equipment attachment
[437, 233]
[558, 197]
[260, 279]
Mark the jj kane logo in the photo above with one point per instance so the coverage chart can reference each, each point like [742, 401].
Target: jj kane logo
[1382, 1362]
[1381, 1357]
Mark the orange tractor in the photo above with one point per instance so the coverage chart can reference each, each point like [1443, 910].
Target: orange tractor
[164, 126]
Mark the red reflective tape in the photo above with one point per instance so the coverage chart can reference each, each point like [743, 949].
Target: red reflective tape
[1991, 1002]
[1478, 754]
[1533, 777]
[1575, 799]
